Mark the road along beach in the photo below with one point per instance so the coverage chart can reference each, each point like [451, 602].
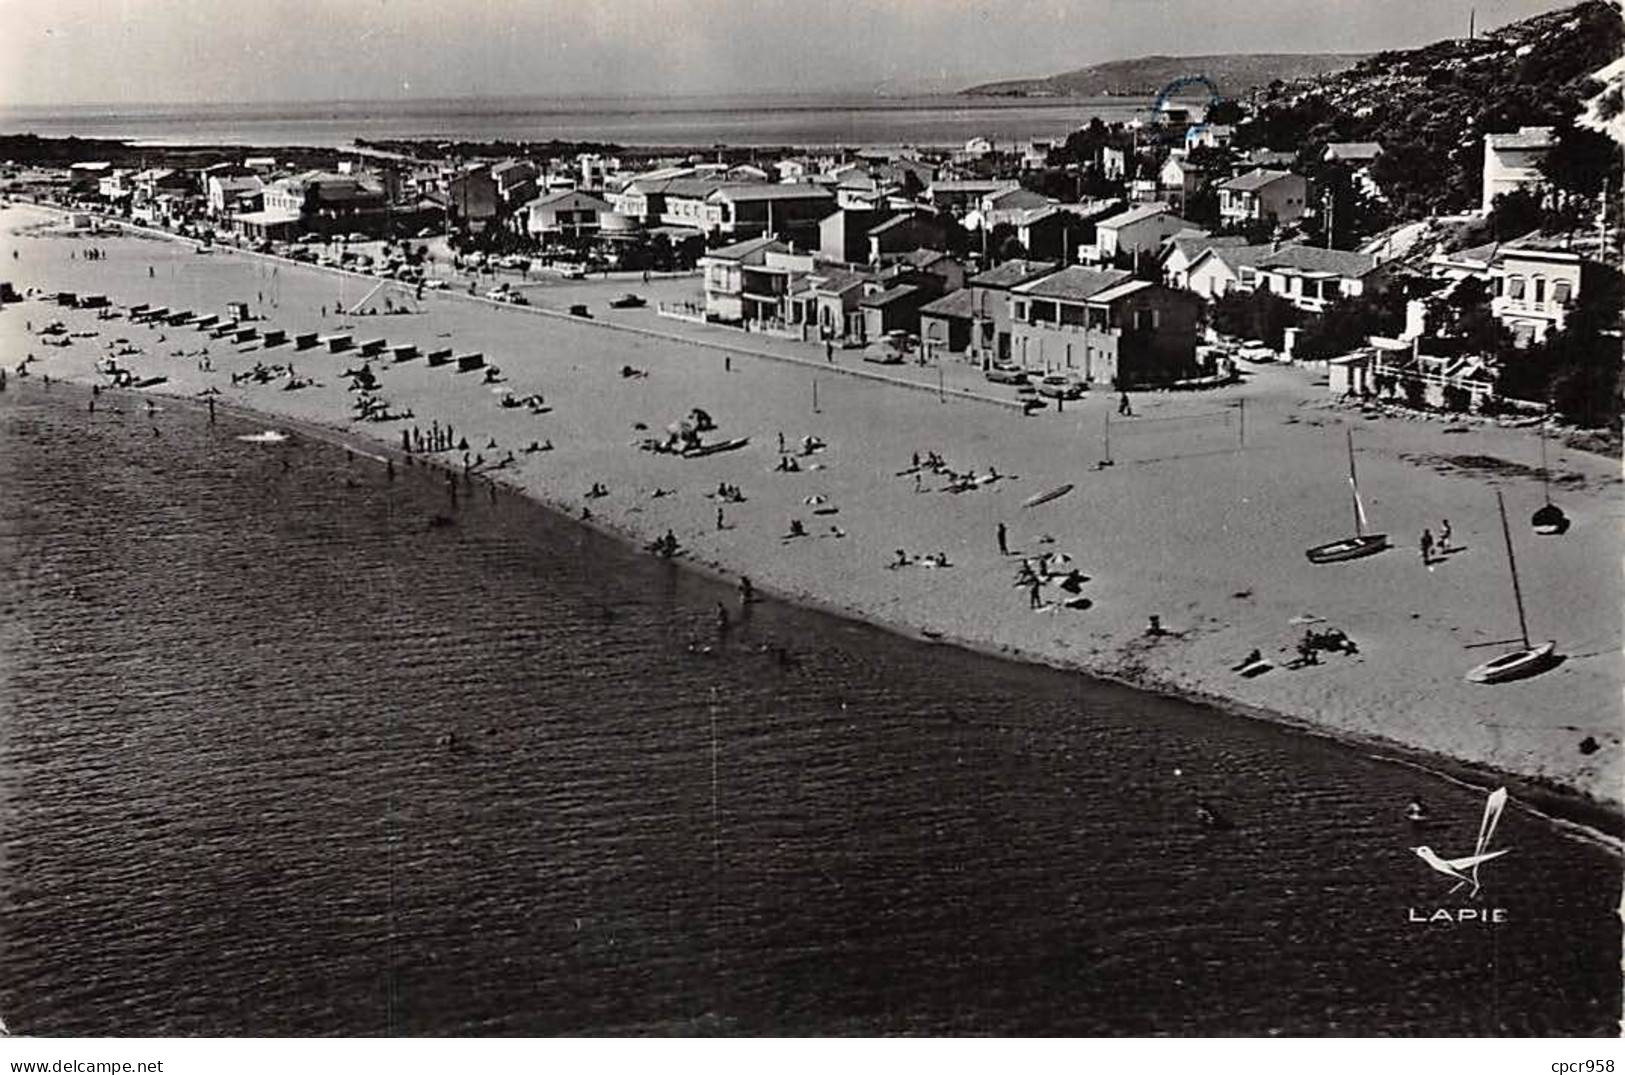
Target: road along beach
[1198, 522]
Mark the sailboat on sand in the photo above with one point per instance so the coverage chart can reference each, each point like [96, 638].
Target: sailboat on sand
[1549, 518]
[1362, 543]
[1531, 659]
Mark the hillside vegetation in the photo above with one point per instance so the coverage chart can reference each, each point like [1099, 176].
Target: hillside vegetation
[1430, 107]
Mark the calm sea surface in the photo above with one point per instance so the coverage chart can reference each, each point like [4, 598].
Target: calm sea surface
[688, 121]
[228, 804]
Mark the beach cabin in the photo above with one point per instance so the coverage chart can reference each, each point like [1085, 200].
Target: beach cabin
[371, 347]
[137, 311]
[66, 298]
[440, 357]
[468, 362]
[155, 313]
[206, 322]
[304, 341]
[275, 337]
[405, 352]
[237, 311]
[338, 342]
[243, 335]
[224, 329]
[179, 318]
[93, 302]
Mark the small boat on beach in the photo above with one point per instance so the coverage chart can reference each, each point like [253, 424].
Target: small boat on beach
[1045, 497]
[1548, 519]
[698, 450]
[1530, 659]
[1362, 543]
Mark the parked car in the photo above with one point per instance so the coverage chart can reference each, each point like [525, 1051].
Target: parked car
[628, 301]
[1060, 386]
[1006, 373]
[580, 310]
[499, 292]
[518, 299]
[435, 285]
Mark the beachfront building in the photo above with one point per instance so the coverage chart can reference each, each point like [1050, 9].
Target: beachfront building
[894, 309]
[1512, 161]
[830, 304]
[990, 306]
[1535, 286]
[744, 209]
[748, 282]
[472, 199]
[1105, 325]
[231, 190]
[1263, 195]
[1132, 234]
[516, 181]
[1220, 269]
[566, 214]
[322, 202]
[946, 323]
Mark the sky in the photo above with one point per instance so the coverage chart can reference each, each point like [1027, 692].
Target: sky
[57, 52]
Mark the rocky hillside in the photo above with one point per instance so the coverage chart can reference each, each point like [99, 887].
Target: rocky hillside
[1234, 75]
[1430, 107]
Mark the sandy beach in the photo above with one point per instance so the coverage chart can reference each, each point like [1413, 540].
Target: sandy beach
[1200, 520]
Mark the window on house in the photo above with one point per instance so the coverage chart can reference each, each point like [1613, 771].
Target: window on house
[1540, 290]
[1515, 288]
[1021, 311]
[1145, 320]
[1562, 292]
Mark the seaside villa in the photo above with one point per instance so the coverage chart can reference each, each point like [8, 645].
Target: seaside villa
[1105, 325]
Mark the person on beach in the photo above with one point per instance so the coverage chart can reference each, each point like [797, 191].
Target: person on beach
[829, 352]
[747, 592]
[1444, 535]
[1004, 541]
[723, 623]
[1123, 407]
[719, 519]
[1427, 546]
[1034, 598]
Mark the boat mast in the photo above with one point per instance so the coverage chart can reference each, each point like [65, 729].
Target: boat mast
[1512, 562]
[1545, 474]
[1354, 488]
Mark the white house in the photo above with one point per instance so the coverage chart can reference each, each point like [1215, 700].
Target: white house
[566, 213]
[1136, 232]
[1534, 289]
[1512, 161]
[1263, 194]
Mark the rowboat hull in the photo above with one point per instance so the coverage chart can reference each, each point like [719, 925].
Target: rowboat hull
[1515, 665]
[1045, 498]
[713, 449]
[1347, 549]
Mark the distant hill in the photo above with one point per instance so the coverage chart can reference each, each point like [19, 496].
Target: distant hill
[1234, 74]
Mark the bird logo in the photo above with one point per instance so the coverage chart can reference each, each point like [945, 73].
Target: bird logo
[1464, 871]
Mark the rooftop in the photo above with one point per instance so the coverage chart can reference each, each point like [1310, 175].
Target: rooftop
[1013, 272]
[1522, 138]
[1314, 259]
[1353, 151]
[953, 304]
[753, 250]
[1135, 215]
[890, 295]
[1257, 179]
[774, 192]
[1075, 282]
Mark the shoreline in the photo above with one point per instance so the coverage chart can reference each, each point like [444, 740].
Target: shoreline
[904, 614]
[1583, 816]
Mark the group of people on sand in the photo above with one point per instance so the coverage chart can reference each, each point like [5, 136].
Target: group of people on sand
[1435, 550]
[1033, 574]
[665, 546]
[91, 253]
[729, 493]
[903, 559]
[436, 440]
